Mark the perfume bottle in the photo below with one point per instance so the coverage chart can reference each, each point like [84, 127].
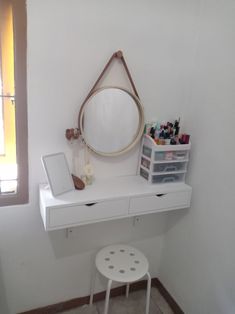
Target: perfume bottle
[88, 174]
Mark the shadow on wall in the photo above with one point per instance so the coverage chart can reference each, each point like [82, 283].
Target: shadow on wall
[3, 301]
[94, 236]
[175, 217]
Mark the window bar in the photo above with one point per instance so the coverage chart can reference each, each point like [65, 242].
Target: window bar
[12, 97]
[7, 96]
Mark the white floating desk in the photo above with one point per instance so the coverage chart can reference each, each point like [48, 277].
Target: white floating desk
[110, 199]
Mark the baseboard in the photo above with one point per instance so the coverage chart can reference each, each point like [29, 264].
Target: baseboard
[167, 296]
[71, 304]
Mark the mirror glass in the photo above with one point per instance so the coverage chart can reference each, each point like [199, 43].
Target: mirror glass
[58, 174]
[111, 121]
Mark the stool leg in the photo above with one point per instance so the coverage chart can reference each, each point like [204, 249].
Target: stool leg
[148, 292]
[92, 286]
[127, 290]
[106, 307]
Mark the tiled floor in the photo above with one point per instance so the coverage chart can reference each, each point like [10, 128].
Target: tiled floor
[135, 304]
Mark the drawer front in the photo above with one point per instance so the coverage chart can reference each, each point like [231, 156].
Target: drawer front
[169, 167]
[82, 213]
[157, 202]
[168, 178]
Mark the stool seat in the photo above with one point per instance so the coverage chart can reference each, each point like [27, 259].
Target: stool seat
[121, 263]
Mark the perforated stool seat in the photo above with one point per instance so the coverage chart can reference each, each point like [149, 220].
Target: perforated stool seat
[121, 263]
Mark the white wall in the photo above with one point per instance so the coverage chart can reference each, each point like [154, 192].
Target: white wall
[180, 54]
[199, 252]
[69, 43]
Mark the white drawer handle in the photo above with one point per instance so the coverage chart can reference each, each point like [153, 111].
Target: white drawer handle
[91, 204]
[160, 195]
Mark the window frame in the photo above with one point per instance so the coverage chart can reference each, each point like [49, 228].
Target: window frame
[2, 126]
[20, 73]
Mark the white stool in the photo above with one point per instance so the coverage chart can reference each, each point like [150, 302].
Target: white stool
[121, 263]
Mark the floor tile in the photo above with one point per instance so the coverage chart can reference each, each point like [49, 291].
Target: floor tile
[134, 304]
[86, 309]
[158, 299]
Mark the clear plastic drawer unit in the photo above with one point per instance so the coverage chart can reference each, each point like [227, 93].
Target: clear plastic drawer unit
[163, 163]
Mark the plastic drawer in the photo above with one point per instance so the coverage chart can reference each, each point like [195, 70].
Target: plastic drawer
[171, 155]
[169, 167]
[168, 178]
[144, 174]
[160, 156]
[180, 154]
[145, 163]
[147, 151]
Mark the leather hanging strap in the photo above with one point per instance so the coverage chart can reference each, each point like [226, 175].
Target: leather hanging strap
[116, 55]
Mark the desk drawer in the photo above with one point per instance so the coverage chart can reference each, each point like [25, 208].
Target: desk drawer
[87, 212]
[160, 202]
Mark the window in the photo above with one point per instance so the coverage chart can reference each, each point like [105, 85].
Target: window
[13, 113]
[2, 150]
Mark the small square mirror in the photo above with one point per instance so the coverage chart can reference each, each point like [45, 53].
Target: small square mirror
[58, 174]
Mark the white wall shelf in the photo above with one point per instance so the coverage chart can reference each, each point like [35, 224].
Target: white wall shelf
[110, 199]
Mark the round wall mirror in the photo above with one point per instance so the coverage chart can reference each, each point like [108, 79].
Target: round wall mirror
[111, 121]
